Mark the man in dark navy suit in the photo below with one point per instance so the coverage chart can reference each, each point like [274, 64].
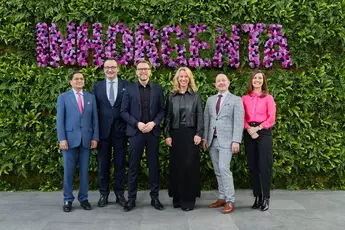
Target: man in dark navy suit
[143, 110]
[112, 129]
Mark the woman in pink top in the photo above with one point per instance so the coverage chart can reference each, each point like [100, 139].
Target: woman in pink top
[260, 114]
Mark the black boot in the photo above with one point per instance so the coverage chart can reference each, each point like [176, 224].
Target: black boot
[265, 204]
[257, 203]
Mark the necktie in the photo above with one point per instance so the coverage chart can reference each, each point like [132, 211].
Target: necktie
[111, 94]
[218, 103]
[80, 103]
[217, 111]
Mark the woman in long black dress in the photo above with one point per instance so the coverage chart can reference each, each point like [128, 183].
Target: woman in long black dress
[183, 130]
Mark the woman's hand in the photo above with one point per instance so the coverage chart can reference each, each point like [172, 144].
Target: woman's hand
[168, 141]
[197, 140]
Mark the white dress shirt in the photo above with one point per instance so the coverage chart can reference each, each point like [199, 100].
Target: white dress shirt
[76, 96]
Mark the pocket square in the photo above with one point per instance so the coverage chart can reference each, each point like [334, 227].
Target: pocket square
[88, 103]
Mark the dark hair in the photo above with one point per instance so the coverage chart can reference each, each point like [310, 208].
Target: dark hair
[74, 73]
[264, 84]
[110, 59]
[143, 61]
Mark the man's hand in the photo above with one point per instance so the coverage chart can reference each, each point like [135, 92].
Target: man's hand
[94, 144]
[235, 147]
[197, 140]
[168, 141]
[64, 145]
[204, 145]
[148, 127]
[141, 126]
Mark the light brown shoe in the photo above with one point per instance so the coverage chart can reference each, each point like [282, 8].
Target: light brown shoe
[217, 204]
[228, 208]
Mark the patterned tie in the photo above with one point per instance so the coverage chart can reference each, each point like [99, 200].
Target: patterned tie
[111, 94]
[218, 103]
[217, 111]
[80, 103]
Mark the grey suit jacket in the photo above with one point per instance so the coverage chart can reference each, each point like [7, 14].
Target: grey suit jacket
[229, 121]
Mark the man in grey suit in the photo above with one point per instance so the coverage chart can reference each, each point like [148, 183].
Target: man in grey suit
[224, 121]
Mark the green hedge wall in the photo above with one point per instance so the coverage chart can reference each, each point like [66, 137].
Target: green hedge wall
[309, 136]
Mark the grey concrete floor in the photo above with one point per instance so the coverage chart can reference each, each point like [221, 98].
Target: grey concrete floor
[322, 210]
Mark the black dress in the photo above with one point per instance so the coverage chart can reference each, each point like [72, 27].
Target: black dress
[184, 168]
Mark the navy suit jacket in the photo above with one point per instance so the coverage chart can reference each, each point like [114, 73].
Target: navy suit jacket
[72, 126]
[109, 116]
[131, 107]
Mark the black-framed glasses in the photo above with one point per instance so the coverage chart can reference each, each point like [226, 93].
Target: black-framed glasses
[143, 69]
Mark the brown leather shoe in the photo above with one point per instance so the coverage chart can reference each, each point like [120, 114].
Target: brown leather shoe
[228, 208]
[217, 204]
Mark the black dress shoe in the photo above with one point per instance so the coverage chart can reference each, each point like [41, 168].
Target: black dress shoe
[121, 200]
[85, 205]
[156, 203]
[130, 204]
[103, 201]
[265, 204]
[67, 206]
[257, 203]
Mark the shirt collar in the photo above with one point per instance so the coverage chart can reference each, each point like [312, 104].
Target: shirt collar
[252, 94]
[223, 94]
[115, 80]
[148, 84]
[81, 92]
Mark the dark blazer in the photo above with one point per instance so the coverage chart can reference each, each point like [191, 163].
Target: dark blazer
[109, 116]
[72, 126]
[131, 107]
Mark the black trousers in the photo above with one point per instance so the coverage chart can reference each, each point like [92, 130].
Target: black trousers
[260, 158]
[105, 152]
[137, 143]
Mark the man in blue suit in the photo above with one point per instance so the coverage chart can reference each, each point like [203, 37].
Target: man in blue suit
[77, 129]
[112, 132]
[143, 109]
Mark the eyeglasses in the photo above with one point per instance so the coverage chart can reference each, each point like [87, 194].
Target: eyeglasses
[78, 79]
[110, 67]
[143, 69]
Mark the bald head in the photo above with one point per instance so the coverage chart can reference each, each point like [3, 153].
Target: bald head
[222, 83]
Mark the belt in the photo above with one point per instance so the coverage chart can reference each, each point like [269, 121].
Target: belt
[254, 123]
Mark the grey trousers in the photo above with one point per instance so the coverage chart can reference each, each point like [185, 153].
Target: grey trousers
[221, 158]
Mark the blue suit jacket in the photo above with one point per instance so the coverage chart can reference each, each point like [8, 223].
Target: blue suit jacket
[72, 126]
[109, 116]
[131, 107]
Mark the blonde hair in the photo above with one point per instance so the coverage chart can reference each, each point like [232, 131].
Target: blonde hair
[191, 83]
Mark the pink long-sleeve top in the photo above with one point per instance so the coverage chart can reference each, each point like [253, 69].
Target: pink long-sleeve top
[259, 109]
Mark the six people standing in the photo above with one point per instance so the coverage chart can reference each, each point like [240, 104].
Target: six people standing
[136, 111]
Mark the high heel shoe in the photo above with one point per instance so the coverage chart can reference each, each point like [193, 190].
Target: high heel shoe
[257, 203]
[265, 204]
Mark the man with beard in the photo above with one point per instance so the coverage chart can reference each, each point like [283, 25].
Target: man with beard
[143, 110]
